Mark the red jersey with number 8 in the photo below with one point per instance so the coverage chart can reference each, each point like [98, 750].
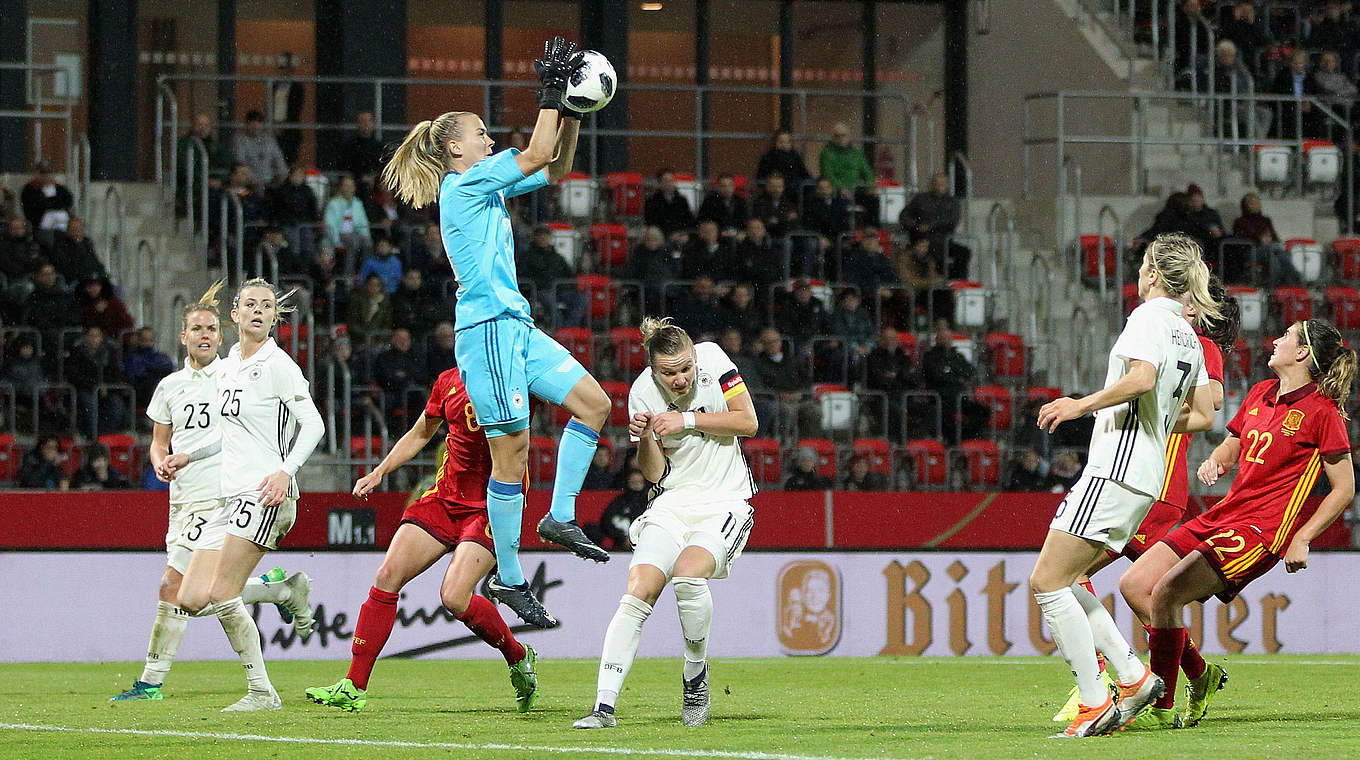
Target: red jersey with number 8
[465, 466]
[1283, 442]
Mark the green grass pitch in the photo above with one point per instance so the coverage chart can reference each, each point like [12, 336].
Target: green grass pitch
[765, 709]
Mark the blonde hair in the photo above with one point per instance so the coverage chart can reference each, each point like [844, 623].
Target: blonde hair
[1178, 260]
[282, 307]
[206, 303]
[419, 163]
[1331, 365]
[662, 337]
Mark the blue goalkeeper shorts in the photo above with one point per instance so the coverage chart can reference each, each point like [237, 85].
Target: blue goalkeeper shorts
[502, 362]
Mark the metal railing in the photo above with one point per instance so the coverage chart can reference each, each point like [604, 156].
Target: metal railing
[80, 170]
[1001, 246]
[196, 172]
[143, 267]
[115, 232]
[233, 270]
[959, 162]
[1108, 213]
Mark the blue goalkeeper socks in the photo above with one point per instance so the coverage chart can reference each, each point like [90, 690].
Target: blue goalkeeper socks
[574, 453]
[505, 511]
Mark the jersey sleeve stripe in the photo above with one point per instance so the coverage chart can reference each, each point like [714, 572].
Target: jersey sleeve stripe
[1301, 491]
[736, 390]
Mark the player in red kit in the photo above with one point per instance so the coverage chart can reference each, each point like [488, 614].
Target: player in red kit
[1287, 432]
[449, 516]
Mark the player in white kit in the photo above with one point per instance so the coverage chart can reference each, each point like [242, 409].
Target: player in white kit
[688, 409]
[269, 427]
[1156, 383]
[182, 410]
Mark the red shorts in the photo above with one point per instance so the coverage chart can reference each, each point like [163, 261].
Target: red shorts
[1238, 554]
[1161, 518]
[450, 522]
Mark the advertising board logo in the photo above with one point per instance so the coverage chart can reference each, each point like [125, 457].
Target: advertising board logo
[808, 607]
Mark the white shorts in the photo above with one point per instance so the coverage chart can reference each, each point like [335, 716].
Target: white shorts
[194, 525]
[1103, 510]
[263, 526]
[662, 532]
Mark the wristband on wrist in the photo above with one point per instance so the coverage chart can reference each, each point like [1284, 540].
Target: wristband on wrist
[688, 417]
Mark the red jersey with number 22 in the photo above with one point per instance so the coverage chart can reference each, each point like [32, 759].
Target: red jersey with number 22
[1176, 487]
[1283, 441]
[466, 465]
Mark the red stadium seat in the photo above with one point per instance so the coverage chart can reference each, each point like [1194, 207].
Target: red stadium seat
[1131, 299]
[366, 452]
[1345, 306]
[909, 344]
[821, 389]
[627, 192]
[1346, 258]
[983, 463]
[826, 455]
[877, 452]
[885, 241]
[122, 454]
[71, 455]
[1043, 393]
[930, 462]
[285, 341]
[628, 352]
[764, 459]
[611, 245]
[600, 292]
[1294, 303]
[1090, 255]
[542, 460]
[578, 341]
[618, 402]
[1008, 354]
[1238, 363]
[998, 399]
[9, 458]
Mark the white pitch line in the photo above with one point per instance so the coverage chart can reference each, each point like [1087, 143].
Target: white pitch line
[716, 753]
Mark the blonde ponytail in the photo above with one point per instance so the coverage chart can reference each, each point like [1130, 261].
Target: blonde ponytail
[662, 337]
[207, 302]
[1178, 259]
[418, 164]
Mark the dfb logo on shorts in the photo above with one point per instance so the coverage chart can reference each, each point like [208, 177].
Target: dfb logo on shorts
[808, 607]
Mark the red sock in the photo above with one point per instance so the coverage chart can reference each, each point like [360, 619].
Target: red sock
[1166, 645]
[376, 618]
[482, 619]
[1191, 661]
[1100, 658]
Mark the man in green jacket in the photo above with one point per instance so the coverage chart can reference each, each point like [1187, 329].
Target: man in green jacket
[849, 171]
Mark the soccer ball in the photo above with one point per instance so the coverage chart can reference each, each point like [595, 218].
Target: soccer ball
[593, 85]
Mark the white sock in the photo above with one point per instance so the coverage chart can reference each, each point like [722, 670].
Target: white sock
[620, 646]
[245, 639]
[1119, 656]
[257, 590]
[207, 611]
[166, 634]
[1072, 633]
[695, 603]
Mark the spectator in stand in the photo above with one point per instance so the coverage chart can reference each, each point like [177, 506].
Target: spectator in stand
[864, 265]
[889, 369]
[416, 309]
[1064, 472]
[924, 286]
[860, 478]
[1207, 222]
[439, 357]
[330, 296]
[853, 328]
[23, 369]
[599, 476]
[784, 160]
[948, 372]
[73, 254]
[1332, 32]
[1028, 472]
[1230, 77]
[654, 262]
[93, 364]
[439, 273]
[396, 369]
[1270, 253]
[370, 313]
[219, 158]
[827, 214]
[739, 312]
[286, 98]
[801, 316]
[698, 311]
[426, 252]
[258, 150]
[618, 516]
[296, 211]
[346, 222]
[1337, 89]
[361, 155]
[734, 345]
[47, 204]
[1190, 43]
[42, 467]
[756, 259]
[1249, 33]
[145, 366]
[20, 254]
[1295, 80]
[848, 169]
[540, 263]
[724, 206]
[776, 206]
[666, 208]
[96, 474]
[9, 202]
[383, 261]
[101, 307]
[254, 206]
[805, 476]
[1174, 217]
[787, 375]
[708, 253]
[50, 307]
[935, 215]
[273, 246]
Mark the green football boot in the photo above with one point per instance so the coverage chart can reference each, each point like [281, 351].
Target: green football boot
[1155, 718]
[140, 690]
[276, 575]
[1201, 690]
[524, 677]
[343, 695]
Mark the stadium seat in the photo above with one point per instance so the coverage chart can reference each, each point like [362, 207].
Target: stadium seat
[877, 452]
[838, 406]
[611, 245]
[1008, 355]
[998, 399]
[618, 402]
[1272, 163]
[1321, 161]
[1131, 299]
[970, 303]
[542, 460]
[1043, 393]
[71, 456]
[626, 190]
[909, 344]
[600, 292]
[9, 458]
[366, 452]
[285, 341]
[628, 351]
[1346, 258]
[1294, 303]
[123, 454]
[963, 343]
[983, 463]
[1238, 363]
[1345, 306]
[885, 240]
[577, 340]
[930, 462]
[577, 198]
[1252, 304]
[764, 459]
[826, 456]
[688, 187]
[1090, 256]
[1306, 256]
[892, 198]
[738, 186]
[565, 241]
